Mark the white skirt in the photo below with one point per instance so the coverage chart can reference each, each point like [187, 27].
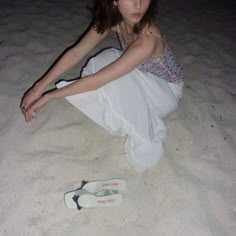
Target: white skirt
[133, 105]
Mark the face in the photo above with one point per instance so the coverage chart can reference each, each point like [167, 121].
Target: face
[133, 10]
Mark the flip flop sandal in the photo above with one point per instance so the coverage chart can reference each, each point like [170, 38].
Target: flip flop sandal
[81, 198]
[98, 185]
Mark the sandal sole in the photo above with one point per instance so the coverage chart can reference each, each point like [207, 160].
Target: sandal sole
[92, 201]
[98, 185]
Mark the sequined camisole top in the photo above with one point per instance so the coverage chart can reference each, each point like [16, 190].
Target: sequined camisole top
[166, 66]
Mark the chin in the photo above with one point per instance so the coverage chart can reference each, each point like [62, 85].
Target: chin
[135, 21]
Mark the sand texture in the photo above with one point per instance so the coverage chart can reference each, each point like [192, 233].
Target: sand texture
[192, 190]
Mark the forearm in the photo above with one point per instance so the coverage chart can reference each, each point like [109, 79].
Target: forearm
[113, 71]
[71, 58]
[82, 85]
[67, 61]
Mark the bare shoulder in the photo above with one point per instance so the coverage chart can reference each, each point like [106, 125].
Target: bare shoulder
[143, 47]
[153, 28]
[148, 40]
[152, 35]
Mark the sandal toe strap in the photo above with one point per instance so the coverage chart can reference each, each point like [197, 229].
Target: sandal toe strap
[75, 199]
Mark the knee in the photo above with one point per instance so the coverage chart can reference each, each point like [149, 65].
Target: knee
[101, 60]
[106, 56]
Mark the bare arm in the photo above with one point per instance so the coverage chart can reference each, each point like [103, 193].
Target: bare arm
[134, 55]
[139, 51]
[68, 60]
[71, 57]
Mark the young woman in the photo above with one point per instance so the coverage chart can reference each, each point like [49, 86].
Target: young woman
[128, 91]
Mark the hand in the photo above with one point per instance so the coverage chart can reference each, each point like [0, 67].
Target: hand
[30, 97]
[34, 108]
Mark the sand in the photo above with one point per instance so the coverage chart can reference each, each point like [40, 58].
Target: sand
[192, 190]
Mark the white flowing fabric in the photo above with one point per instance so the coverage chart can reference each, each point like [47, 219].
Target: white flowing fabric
[133, 105]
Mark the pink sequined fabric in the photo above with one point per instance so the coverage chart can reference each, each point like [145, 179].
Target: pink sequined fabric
[166, 66]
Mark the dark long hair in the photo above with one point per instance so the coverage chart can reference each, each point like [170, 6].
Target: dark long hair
[107, 16]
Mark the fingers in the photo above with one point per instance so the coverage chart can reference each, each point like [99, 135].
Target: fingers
[23, 106]
[23, 111]
[29, 116]
[32, 111]
[29, 113]
[29, 98]
[26, 106]
[26, 115]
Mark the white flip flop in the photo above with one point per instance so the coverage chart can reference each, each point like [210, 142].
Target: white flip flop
[98, 185]
[81, 198]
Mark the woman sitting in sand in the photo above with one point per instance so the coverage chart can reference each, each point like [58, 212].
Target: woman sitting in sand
[127, 91]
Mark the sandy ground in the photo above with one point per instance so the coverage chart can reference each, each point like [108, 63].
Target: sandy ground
[192, 190]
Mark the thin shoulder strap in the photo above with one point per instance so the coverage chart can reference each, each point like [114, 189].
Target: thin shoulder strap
[119, 31]
[151, 33]
[120, 36]
[118, 28]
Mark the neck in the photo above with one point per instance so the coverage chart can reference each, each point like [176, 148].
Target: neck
[128, 27]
